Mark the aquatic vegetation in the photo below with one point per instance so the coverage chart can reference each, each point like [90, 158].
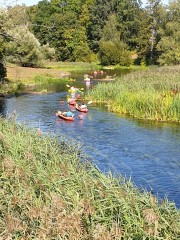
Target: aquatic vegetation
[49, 190]
[151, 94]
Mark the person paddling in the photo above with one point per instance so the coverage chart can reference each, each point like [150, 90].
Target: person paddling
[68, 114]
[83, 106]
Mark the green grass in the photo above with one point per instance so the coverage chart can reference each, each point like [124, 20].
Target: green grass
[49, 190]
[40, 79]
[149, 94]
[72, 66]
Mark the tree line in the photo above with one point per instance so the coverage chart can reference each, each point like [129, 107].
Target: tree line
[113, 32]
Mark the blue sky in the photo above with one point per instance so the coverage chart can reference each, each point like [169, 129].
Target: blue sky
[33, 2]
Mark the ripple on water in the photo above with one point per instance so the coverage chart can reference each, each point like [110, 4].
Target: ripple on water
[147, 152]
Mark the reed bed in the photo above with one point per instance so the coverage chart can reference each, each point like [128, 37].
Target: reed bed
[49, 190]
[149, 94]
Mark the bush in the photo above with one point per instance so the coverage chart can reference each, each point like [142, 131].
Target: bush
[112, 53]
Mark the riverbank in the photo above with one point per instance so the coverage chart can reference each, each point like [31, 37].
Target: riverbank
[22, 80]
[50, 190]
[152, 94]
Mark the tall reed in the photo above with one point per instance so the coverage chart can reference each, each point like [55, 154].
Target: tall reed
[49, 190]
[151, 94]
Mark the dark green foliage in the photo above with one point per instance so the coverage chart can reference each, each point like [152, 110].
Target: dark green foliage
[2, 68]
[155, 18]
[129, 18]
[168, 46]
[77, 28]
[111, 53]
[41, 20]
[99, 13]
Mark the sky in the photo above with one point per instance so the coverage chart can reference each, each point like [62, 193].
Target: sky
[34, 2]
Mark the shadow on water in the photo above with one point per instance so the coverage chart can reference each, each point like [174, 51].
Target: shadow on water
[2, 106]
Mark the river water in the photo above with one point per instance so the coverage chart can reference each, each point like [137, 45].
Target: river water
[146, 151]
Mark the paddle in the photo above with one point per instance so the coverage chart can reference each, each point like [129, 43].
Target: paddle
[89, 102]
[79, 117]
[57, 114]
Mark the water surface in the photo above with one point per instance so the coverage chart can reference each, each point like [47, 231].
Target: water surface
[147, 152]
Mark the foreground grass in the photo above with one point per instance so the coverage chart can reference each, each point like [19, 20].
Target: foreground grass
[50, 191]
[151, 94]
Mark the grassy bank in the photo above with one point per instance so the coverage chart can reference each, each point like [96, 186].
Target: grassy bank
[150, 94]
[50, 191]
[73, 66]
[20, 78]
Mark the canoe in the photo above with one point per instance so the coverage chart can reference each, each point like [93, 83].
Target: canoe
[85, 110]
[71, 101]
[64, 117]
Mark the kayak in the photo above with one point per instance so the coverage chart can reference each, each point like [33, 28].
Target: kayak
[71, 101]
[60, 115]
[85, 110]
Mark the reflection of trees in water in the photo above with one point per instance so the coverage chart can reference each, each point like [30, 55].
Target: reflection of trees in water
[2, 106]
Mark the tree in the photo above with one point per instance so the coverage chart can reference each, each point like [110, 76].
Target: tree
[2, 68]
[4, 36]
[111, 49]
[128, 17]
[41, 20]
[168, 46]
[155, 12]
[25, 49]
[111, 53]
[99, 13]
[142, 43]
[18, 15]
[111, 31]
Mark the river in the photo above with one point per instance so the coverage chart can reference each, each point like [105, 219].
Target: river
[146, 151]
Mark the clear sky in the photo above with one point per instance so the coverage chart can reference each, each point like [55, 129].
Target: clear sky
[33, 2]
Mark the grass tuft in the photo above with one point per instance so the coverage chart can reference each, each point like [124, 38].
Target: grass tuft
[150, 94]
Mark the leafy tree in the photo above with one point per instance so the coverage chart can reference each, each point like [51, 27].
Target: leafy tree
[25, 49]
[111, 29]
[2, 68]
[84, 15]
[168, 46]
[111, 53]
[143, 37]
[111, 49]
[64, 35]
[155, 12]
[99, 13]
[48, 52]
[75, 41]
[4, 36]
[18, 15]
[128, 16]
[42, 26]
